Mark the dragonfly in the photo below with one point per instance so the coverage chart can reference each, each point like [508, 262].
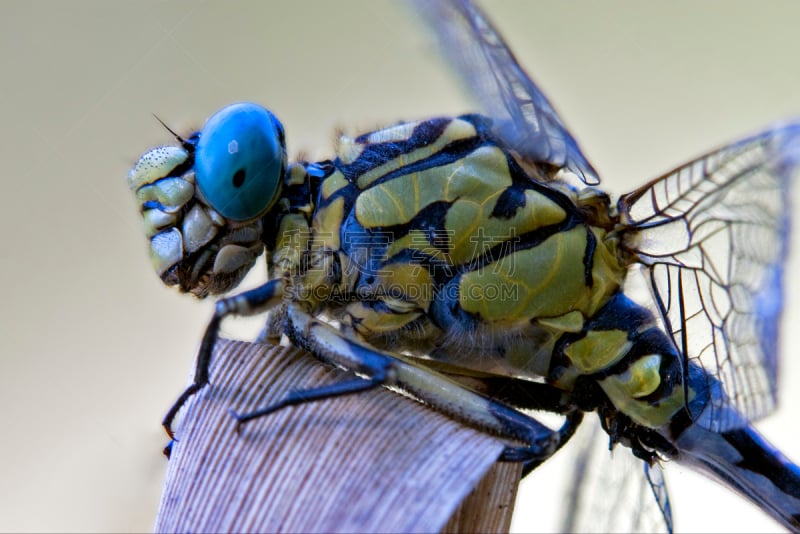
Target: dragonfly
[474, 262]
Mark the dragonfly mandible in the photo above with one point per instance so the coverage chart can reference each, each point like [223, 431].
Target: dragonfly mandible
[480, 245]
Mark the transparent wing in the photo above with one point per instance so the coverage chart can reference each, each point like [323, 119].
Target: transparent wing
[658, 490]
[713, 235]
[526, 122]
[610, 491]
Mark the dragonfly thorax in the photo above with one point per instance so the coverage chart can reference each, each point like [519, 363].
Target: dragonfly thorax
[430, 238]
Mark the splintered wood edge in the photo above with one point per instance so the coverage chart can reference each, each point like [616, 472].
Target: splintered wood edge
[372, 462]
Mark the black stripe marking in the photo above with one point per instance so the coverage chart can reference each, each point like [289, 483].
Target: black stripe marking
[376, 154]
[588, 257]
[756, 457]
[450, 153]
[509, 202]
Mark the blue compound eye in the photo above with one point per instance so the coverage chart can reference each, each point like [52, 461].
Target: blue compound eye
[239, 161]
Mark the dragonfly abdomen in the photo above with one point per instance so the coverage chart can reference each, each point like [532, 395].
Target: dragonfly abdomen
[744, 461]
[634, 363]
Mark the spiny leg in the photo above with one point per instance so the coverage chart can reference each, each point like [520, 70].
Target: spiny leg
[331, 347]
[250, 302]
[302, 396]
[563, 435]
[535, 396]
[383, 368]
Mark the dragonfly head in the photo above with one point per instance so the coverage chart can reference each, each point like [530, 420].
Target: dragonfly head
[203, 203]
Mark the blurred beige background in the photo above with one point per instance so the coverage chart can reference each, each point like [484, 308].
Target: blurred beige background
[93, 349]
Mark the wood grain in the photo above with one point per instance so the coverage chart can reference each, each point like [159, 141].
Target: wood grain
[376, 461]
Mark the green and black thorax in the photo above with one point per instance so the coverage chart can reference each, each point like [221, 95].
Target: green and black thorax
[432, 239]
[436, 220]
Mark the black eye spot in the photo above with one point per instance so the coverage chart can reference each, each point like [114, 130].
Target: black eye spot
[238, 178]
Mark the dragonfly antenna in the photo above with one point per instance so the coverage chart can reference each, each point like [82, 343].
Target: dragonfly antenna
[170, 130]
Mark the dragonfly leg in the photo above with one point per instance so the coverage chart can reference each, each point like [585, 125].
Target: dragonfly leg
[561, 437]
[302, 396]
[250, 302]
[534, 396]
[384, 368]
[528, 395]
